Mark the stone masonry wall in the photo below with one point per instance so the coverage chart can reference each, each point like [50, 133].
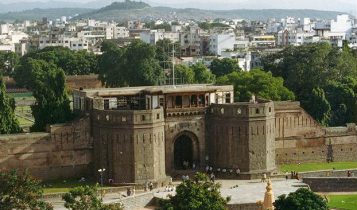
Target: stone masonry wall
[129, 144]
[300, 139]
[331, 184]
[64, 152]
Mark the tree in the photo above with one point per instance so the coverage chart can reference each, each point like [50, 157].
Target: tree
[308, 67]
[8, 121]
[342, 99]
[164, 49]
[86, 198]
[72, 62]
[202, 74]
[302, 199]
[141, 64]
[319, 106]
[184, 73]
[112, 71]
[47, 83]
[199, 193]
[221, 67]
[134, 66]
[20, 191]
[8, 61]
[259, 83]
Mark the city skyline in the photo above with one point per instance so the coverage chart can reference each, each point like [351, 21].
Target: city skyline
[336, 5]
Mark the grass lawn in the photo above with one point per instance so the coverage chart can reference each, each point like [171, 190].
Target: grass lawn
[20, 96]
[317, 166]
[64, 186]
[343, 202]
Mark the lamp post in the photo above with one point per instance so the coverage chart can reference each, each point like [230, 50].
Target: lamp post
[101, 171]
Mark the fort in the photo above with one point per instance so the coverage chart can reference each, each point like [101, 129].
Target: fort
[144, 134]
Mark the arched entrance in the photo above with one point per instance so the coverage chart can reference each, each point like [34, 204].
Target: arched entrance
[183, 152]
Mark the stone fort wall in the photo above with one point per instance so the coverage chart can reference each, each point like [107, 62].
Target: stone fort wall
[242, 135]
[137, 145]
[300, 139]
[130, 144]
[65, 151]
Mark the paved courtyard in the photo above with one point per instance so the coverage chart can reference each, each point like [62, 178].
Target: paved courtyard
[248, 191]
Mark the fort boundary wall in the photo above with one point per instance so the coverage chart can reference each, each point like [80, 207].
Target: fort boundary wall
[300, 139]
[332, 184]
[65, 151]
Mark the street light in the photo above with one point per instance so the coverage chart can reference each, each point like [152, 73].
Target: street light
[101, 171]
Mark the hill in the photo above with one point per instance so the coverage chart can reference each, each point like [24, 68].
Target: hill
[122, 11]
[37, 14]
[149, 13]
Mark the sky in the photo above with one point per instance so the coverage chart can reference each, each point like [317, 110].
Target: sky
[336, 5]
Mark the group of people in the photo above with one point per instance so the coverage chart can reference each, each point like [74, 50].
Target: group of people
[186, 165]
[149, 185]
[169, 188]
[209, 170]
[130, 191]
[294, 175]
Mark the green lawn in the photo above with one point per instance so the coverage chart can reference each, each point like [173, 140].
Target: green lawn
[343, 202]
[24, 116]
[63, 185]
[317, 166]
[60, 186]
[20, 96]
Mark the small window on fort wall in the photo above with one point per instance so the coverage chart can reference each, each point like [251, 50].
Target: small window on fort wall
[123, 119]
[106, 104]
[194, 100]
[143, 117]
[161, 101]
[178, 101]
[107, 117]
[157, 116]
[239, 111]
[222, 111]
[201, 100]
[228, 98]
[257, 111]
[269, 109]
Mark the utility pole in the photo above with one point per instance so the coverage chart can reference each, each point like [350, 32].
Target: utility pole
[173, 65]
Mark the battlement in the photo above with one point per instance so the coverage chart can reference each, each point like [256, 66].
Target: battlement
[243, 110]
[127, 117]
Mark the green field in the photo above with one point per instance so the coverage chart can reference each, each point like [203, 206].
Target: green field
[343, 202]
[64, 185]
[21, 95]
[24, 116]
[317, 166]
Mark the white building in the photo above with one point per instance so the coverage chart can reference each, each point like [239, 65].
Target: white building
[341, 28]
[114, 32]
[221, 42]
[343, 23]
[4, 29]
[72, 43]
[151, 37]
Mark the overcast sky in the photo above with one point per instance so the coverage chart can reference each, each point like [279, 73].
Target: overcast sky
[338, 5]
